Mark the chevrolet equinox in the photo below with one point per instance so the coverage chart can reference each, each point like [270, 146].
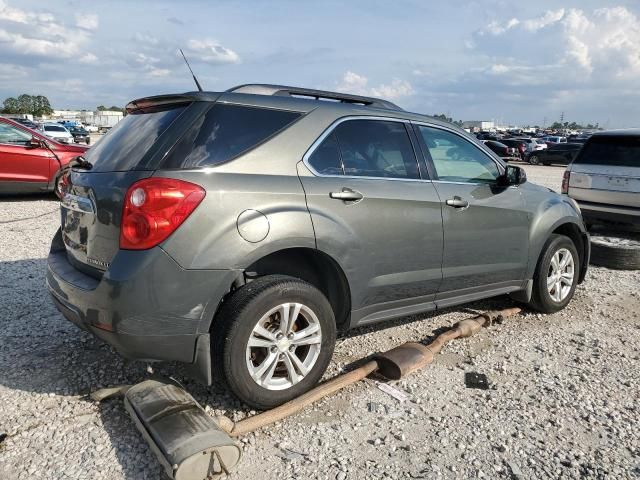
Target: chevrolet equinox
[237, 232]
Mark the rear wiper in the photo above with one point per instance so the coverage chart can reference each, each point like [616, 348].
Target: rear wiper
[80, 162]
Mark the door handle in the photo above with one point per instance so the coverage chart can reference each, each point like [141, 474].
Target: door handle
[347, 195]
[457, 202]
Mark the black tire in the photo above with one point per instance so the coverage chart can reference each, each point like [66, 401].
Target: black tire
[541, 299]
[617, 250]
[234, 325]
[57, 191]
[534, 160]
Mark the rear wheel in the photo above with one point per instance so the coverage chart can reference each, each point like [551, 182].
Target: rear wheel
[556, 276]
[274, 339]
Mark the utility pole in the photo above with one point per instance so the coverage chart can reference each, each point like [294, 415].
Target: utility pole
[562, 118]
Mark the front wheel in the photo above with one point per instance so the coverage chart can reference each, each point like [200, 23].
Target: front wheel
[534, 160]
[273, 339]
[556, 276]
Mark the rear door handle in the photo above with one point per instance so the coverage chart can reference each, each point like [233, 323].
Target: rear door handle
[457, 202]
[347, 195]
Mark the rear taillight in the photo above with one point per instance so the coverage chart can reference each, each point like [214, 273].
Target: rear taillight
[154, 208]
[565, 181]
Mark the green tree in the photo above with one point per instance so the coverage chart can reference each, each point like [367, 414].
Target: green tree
[36, 105]
[41, 106]
[10, 105]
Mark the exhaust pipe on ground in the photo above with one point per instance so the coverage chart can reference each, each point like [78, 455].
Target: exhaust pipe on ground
[191, 445]
[392, 364]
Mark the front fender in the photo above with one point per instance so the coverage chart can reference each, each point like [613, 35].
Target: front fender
[549, 213]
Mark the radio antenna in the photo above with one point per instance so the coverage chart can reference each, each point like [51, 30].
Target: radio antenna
[192, 74]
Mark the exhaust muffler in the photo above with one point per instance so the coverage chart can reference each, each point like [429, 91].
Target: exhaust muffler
[188, 443]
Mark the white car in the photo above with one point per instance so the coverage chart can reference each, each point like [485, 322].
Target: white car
[554, 139]
[56, 132]
[531, 144]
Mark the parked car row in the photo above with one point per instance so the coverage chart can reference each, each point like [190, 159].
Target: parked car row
[63, 131]
[31, 161]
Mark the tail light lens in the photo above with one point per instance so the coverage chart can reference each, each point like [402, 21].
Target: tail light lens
[154, 208]
[565, 181]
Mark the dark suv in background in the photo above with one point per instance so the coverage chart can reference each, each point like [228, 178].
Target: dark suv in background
[238, 231]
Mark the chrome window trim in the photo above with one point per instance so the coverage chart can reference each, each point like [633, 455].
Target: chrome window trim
[329, 130]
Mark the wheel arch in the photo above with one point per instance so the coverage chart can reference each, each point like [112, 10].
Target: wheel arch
[313, 266]
[569, 226]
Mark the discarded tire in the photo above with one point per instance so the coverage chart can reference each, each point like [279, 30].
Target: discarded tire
[618, 250]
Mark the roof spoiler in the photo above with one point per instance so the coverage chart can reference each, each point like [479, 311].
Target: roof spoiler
[167, 100]
[282, 90]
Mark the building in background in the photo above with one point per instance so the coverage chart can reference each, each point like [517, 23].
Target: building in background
[479, 125]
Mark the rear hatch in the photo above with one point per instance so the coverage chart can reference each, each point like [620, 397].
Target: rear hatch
[607, 171]
[91, 209]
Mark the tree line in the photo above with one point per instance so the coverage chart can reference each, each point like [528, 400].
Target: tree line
[36, 105]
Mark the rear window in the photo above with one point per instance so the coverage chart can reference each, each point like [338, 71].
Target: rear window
[226, 132]
[617, 151]
[126, 144]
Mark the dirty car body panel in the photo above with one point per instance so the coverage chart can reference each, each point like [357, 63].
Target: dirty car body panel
[397, 247]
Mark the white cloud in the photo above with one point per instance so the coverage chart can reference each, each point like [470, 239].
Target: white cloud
[145, 38]
[598, 45]
[159, 72]
[549, 18]
[211, 51]
[357, 84]
[88, 58]
[32, 33]
[88, 21]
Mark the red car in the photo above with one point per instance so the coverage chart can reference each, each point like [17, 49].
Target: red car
[29, 161]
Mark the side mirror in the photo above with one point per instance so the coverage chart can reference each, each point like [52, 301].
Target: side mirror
[512, 176]
[35, 143]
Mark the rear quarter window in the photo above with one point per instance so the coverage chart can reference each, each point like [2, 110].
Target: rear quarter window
[225, 132]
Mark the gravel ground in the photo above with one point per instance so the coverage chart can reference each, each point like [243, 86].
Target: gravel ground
[562, 402]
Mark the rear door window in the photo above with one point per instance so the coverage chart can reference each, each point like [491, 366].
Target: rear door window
[376, 148]
[617, 151]
[225, 132]
[126, 144]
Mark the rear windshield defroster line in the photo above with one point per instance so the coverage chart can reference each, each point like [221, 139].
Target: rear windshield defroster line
[126, 144]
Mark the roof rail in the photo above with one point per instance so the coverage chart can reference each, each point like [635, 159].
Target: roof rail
[283, 90]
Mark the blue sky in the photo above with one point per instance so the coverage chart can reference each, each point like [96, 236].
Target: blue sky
[514, 62]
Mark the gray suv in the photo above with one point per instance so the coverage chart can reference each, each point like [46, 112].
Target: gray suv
[237, 232]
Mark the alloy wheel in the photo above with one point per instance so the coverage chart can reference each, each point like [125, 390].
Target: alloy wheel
[284, 346]
[561, 275]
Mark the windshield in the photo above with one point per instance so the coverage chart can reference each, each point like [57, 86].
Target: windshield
[618, 151]
[54, 128]
[125, 145]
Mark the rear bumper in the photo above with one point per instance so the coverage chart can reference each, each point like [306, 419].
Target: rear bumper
[594, 212]
[145, 305]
